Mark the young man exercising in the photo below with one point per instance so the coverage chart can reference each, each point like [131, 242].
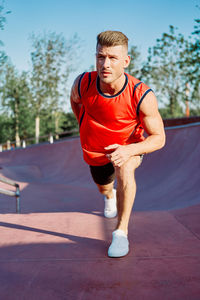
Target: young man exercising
[113, 110]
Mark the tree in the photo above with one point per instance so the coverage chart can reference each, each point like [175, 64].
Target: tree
[52, 61]
[196, 65]
[190, 61]
[6, 127]
[164, 72]
[3, 56]
[15, 96]
[3, 14]
[69, 122]
[134, 67]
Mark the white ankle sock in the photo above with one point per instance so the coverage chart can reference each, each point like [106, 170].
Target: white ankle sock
[110, 210]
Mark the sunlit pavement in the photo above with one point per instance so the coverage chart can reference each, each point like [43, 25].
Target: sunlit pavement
[57, 247]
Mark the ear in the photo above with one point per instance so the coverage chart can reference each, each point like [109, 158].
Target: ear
[127, 61]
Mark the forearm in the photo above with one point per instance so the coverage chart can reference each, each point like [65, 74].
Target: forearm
[75, 99]
[150, 144]
[121, 153]
[76, 107]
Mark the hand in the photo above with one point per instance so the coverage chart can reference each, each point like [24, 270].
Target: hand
[119, 155]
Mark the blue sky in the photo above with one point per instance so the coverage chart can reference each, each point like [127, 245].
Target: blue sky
[143, 21]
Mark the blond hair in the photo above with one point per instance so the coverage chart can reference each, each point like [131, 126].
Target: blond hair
[111, 38]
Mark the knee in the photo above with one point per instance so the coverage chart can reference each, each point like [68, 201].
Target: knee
[123, 174]
[126, 172]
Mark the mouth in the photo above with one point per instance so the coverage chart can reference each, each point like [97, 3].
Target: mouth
[105, 73]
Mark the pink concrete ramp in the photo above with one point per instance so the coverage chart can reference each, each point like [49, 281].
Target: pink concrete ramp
[57, 247]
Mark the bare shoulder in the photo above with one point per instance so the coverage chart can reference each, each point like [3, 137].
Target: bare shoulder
[150, 116]
[149, 105]
[74, 91]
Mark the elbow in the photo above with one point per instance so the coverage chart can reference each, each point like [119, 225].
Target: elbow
[162, 140]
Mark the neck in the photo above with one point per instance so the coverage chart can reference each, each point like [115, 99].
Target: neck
[113, 88]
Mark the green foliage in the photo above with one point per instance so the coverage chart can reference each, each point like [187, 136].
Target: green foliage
[7, 130]
[191, 61]
[69, 122]
[134, 67]
[15, 101]
[66, 122]
[3, 56]
[172, 64]
[166, 112]
[3, 14]
[41, 93]
[164, 72]
[52, 61]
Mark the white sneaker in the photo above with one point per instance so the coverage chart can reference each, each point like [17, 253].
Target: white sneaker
[110, 209]
[120, 244]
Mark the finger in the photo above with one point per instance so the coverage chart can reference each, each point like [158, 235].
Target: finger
[114, 146]
[114, 155]
[119, 164]
[108, 156]
[116, 161]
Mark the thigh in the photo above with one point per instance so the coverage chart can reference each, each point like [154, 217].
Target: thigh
[103, 175]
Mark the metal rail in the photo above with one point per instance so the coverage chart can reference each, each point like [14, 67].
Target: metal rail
[11, 193]
[182, 126]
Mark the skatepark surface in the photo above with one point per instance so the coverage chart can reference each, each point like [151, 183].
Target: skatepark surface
[56, 248]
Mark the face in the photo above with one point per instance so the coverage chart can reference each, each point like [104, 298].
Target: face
[111, 62]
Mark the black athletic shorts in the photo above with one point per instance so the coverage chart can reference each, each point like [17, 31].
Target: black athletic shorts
[105, 174]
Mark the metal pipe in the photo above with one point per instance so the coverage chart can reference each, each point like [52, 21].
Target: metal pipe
[8, 193]
[11, 193]
[18, 200]
[8, 181]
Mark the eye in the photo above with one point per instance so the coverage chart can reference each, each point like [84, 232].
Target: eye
[100, 57]
[113, 57]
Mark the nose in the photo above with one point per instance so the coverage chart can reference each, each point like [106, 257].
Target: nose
[106, 62]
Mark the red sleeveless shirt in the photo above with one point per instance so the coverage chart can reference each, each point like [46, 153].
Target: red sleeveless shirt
[106, 120]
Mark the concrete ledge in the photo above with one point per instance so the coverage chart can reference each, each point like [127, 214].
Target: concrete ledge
[181, 121]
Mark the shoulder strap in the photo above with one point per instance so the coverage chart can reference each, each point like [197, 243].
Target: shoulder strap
[141, 99]
[140, 90]
[79, 84]
[85, 81]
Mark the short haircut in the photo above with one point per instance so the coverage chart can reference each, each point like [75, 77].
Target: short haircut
[111, 38]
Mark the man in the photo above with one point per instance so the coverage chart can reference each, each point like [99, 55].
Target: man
[113, 109]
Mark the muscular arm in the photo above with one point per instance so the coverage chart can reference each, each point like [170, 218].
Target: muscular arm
[153, 125]
[75, 99]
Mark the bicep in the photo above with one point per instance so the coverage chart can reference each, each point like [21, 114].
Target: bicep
[74, 95]
[150, 116]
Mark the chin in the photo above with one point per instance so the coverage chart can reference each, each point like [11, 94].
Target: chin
[106, 79]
